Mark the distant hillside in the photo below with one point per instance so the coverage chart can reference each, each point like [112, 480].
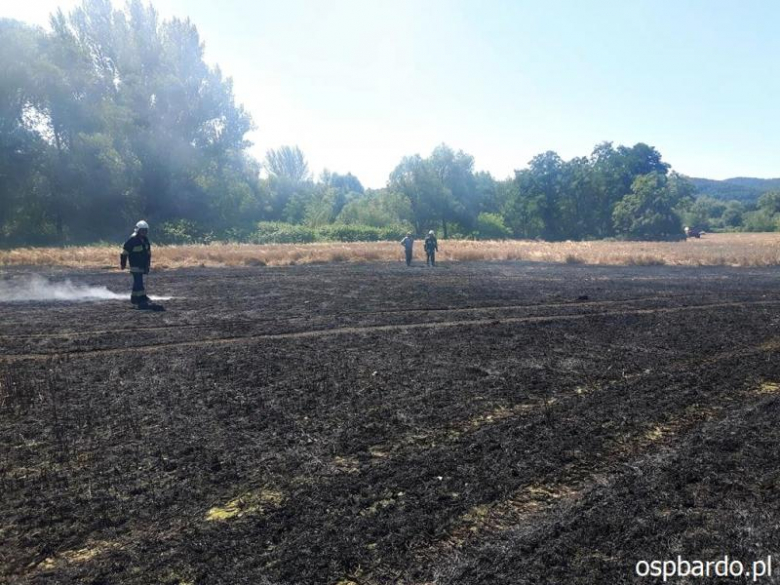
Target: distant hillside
[746, 189]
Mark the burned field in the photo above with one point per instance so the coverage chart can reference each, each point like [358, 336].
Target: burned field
[338, 424]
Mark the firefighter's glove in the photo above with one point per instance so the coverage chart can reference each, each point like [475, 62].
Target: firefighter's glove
[123, 261]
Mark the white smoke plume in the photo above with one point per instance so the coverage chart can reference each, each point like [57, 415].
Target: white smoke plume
[37, 288]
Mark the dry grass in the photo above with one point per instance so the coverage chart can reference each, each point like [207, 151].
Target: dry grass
[711, 250]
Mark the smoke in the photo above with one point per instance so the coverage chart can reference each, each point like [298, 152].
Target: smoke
[37, 288]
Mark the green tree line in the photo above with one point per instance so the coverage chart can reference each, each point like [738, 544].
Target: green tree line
[113, 115]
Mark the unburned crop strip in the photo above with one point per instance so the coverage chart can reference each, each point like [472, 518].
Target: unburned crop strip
[77, 556]
[738, 249]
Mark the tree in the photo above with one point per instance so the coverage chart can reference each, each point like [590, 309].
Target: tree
[533, 210]
[287, 163]
[378, 208]
[319, 210]
[430, 201]
[769, 202]
[577, 201]
[614, 171]
[704, 213]
[732, 215]
[116, 115]
[345, 188]
[23, 148]
[488, 192]
[441, 188]
[348, 183]
[648, 212]
[455, 170]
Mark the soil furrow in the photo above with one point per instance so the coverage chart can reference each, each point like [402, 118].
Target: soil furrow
[380, 328]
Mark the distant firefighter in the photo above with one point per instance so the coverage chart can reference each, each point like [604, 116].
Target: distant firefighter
[408, 244]
[431, 247]
[138, 252]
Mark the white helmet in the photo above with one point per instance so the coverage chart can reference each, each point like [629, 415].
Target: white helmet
[430, 233]
[141, 225]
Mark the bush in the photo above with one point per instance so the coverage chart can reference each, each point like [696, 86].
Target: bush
[182, 231]
[285, 233]
[360, 233]
[394, 232]
[349, 233]
[275, 232]
[759, 221]
[456, 231]
[490, 226]
[239, 235]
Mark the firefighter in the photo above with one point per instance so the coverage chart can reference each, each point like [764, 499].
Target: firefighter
[137, 251]
[408, 244]
[431, 247]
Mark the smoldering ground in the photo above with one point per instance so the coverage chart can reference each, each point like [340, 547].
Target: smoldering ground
[38, 288]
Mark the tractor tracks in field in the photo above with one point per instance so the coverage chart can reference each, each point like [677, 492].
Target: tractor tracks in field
[85, 333]
[369, 329]
[337, 314]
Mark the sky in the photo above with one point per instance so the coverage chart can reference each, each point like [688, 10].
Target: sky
[358, 84]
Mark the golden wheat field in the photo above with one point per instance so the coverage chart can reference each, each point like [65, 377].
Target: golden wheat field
[711, 250]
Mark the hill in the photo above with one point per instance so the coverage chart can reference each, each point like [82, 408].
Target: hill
[746, 189]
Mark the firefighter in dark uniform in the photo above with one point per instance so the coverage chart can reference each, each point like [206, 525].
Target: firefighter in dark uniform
[137, 252]
[408, 244]
[431, 247]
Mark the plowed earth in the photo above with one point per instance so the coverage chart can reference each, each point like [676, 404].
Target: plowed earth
[365, 424]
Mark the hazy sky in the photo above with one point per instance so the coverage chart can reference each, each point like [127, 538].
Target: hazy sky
[358, 84]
